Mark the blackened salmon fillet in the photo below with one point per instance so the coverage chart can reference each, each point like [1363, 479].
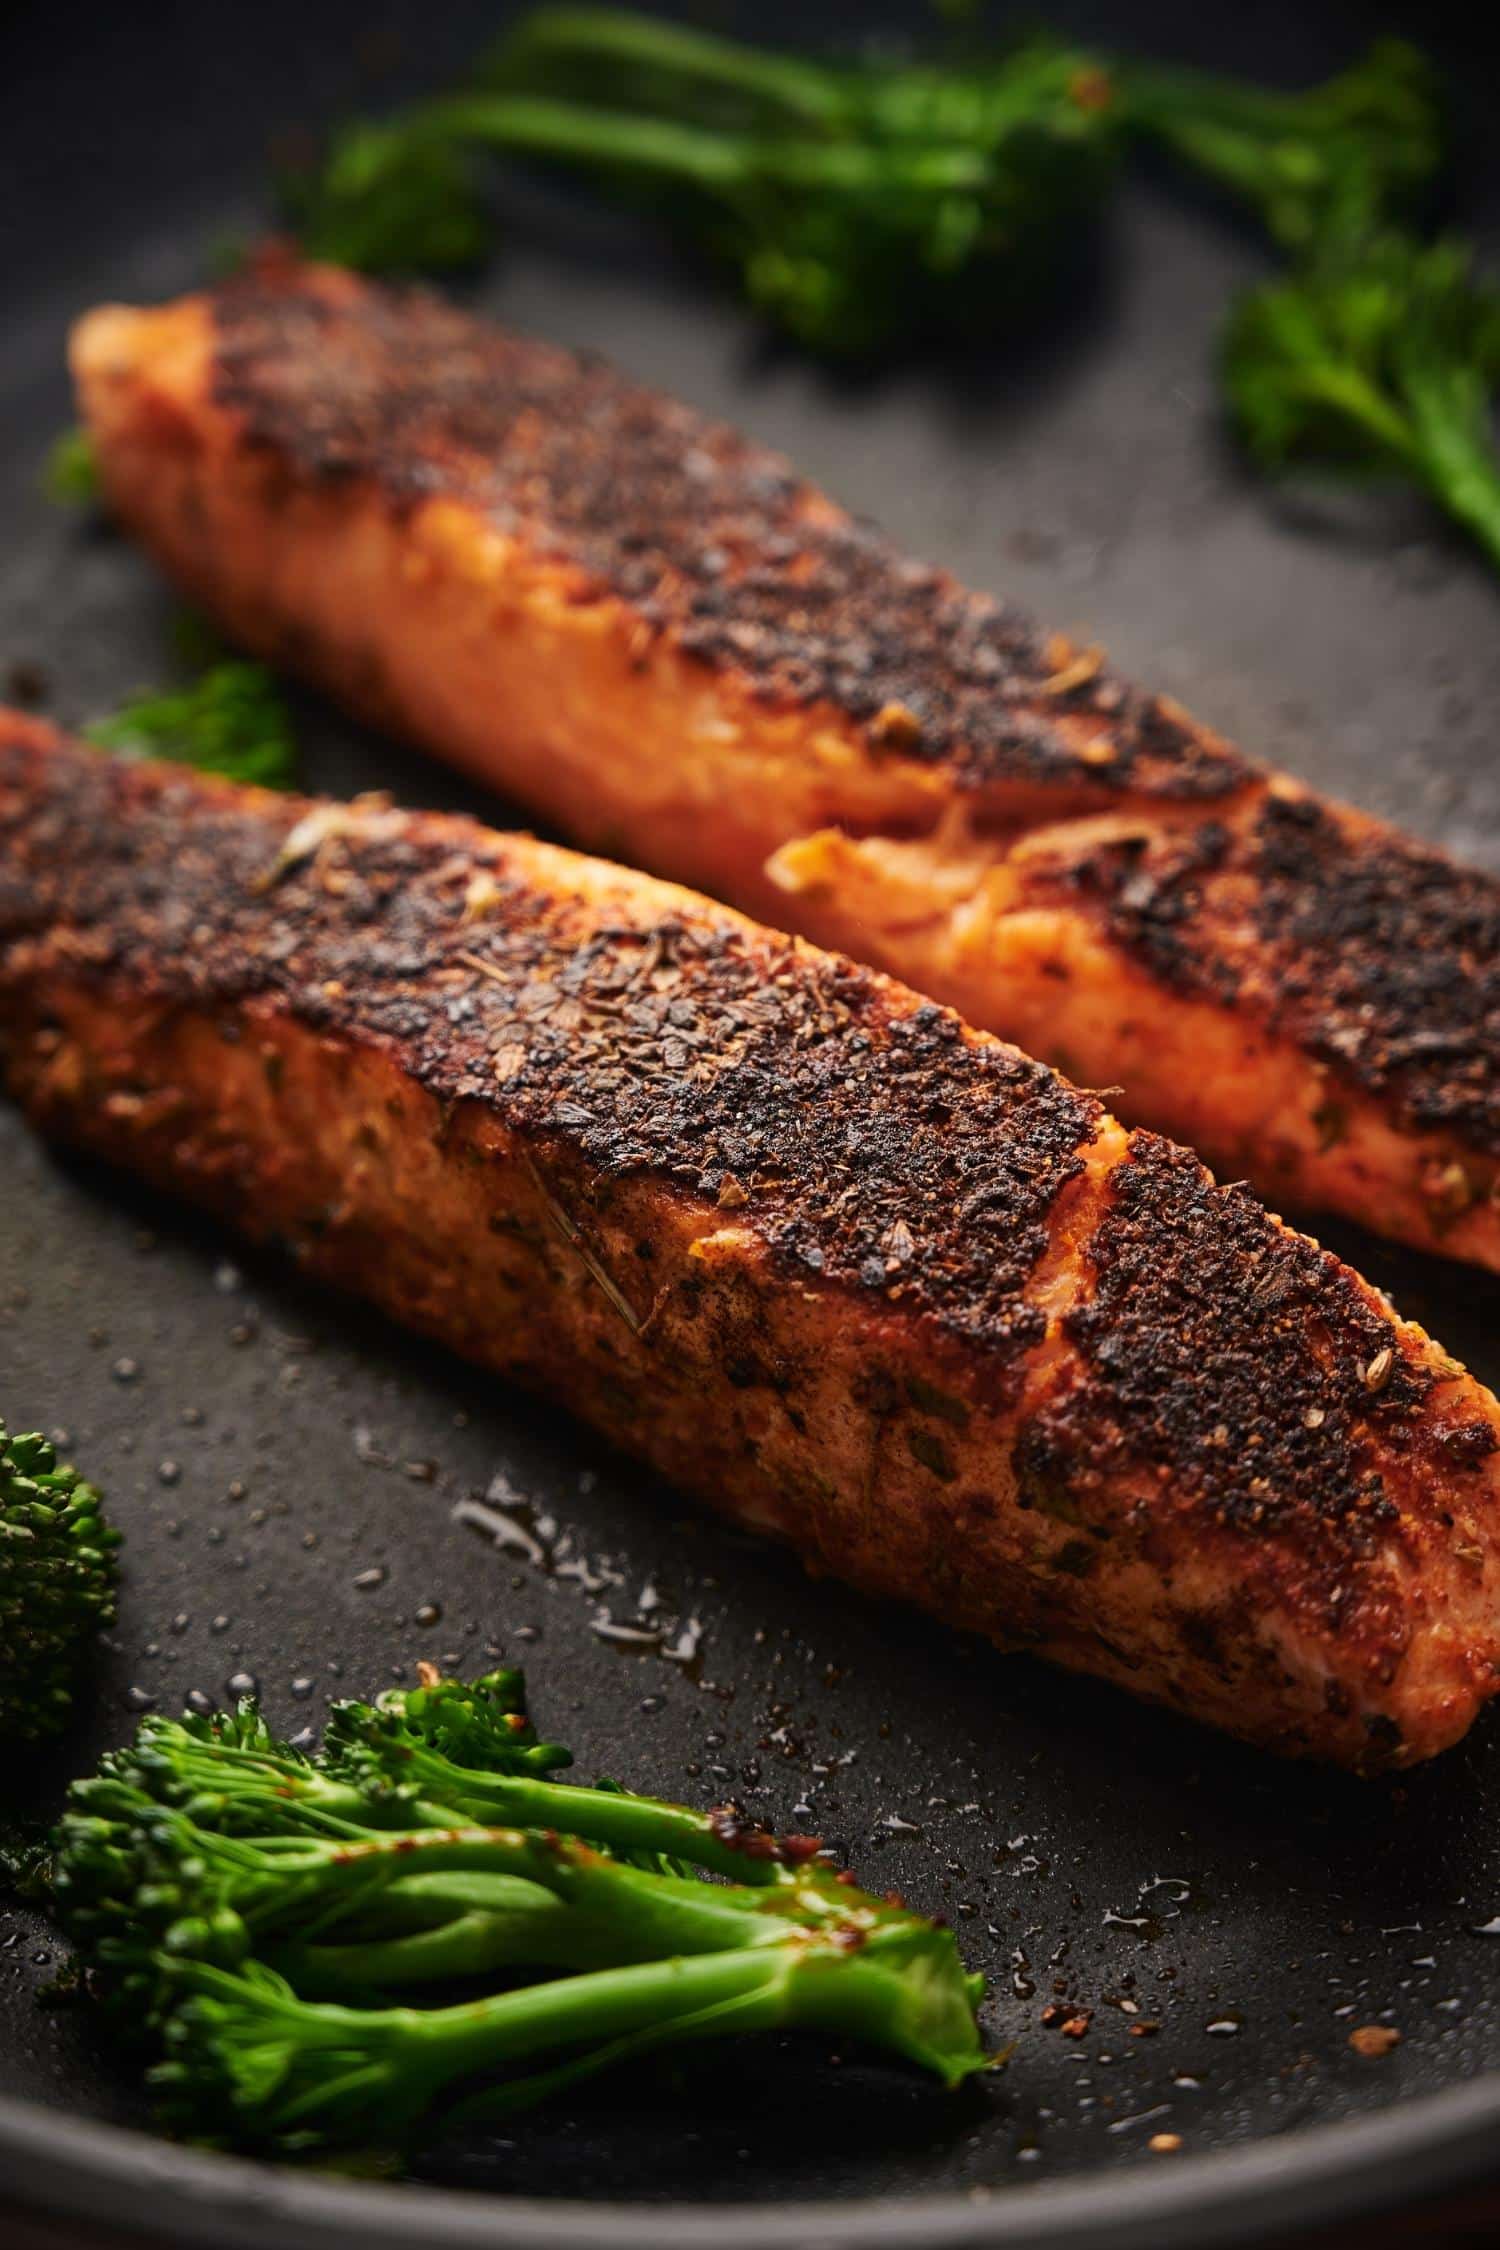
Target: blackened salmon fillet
[851, 1272]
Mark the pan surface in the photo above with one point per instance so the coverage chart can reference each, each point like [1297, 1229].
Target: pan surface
[286, 1467]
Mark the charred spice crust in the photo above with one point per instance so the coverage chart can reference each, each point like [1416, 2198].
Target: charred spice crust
[1380, 958]
[880, 1146]
[713, 542]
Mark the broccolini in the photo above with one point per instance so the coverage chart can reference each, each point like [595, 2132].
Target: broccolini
[856, 203]
[57, 1584]
[1383, 354]
[420, 1927]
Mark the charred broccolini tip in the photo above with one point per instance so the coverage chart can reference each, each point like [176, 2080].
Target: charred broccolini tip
[57, 1584]
[260, 1917]
[1382, 355]
[856, 203]
[1361, 148]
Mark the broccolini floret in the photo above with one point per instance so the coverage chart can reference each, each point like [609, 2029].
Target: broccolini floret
[231, 721]
[57, 1584]
[420, 1927]
[1382, 355]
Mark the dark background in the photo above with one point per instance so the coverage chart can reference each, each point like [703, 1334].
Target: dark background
[268, 1449]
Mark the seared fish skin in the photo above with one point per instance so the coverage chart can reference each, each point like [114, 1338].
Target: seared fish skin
[853, 1273]
[663, 641]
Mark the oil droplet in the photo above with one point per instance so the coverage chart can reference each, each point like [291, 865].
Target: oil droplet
[219, 1624]
[169, 1472]
[1224, 2027]
[1491, 1928]
[126, 1369]
[302, 1687]
[430, 1613]
[896, 1824]
[139, 1699]
[366, 1581]
[196, 1700]
[242, 1683]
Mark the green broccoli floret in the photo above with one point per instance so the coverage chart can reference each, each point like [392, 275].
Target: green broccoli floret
[231, 721]
[1381, 355]
[257, 1916]
[57, 1584]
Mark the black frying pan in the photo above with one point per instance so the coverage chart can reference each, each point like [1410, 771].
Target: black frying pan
[286, 1467]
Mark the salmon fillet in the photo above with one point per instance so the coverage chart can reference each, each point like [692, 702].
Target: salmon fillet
[666, 644]
[851, 1272]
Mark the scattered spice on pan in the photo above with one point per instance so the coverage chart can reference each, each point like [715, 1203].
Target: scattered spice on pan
[1374, 2039]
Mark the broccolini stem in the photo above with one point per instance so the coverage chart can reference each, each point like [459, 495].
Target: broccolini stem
[661, 148]
[617, 1821]
[658, 2004]
[1348, 391]
[320, 2072]
[1451, 419]
[630, 1824]
[607, 1916]
[440, 1872]
[591, 36]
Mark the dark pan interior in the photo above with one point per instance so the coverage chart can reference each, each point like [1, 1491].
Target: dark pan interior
[287, 1467]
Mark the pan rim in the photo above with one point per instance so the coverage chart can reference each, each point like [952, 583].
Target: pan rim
[71, 2167]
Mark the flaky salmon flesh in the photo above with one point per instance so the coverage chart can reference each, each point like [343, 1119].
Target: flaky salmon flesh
[854, 1274]
[666, 644]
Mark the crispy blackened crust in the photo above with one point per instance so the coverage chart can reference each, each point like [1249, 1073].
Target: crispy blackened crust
[852, 1271]
[1236, 1351]
[1378, 957]
[878, 1145]
[714, 543]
